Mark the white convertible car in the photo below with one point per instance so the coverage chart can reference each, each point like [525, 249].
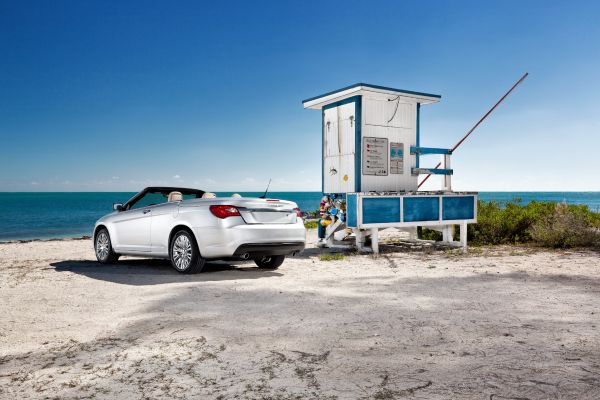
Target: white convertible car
[189, 226]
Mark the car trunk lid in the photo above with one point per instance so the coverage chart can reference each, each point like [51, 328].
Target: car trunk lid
[268, 211]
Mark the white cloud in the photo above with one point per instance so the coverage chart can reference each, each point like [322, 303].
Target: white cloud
[176, 177]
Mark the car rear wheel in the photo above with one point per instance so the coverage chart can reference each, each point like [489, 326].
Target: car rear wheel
[103, 248]
[269, 262]
[185, 256]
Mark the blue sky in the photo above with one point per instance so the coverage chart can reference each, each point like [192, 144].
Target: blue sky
[102, 95]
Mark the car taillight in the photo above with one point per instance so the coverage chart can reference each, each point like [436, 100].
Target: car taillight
[223, 211]
[298, 212]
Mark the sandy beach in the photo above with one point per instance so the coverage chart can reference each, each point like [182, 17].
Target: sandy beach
[496, 323]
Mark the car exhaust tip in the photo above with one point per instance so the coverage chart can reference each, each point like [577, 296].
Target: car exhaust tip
[245, 256]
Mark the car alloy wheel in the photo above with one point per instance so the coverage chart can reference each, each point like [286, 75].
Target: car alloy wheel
[102, 246]
[182, 252]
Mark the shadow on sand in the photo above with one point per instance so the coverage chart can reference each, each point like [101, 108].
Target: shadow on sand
[140, 272]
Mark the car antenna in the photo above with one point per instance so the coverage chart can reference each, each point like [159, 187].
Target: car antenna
[266, 190]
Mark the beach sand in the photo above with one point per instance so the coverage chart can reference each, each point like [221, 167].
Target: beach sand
[496, 323]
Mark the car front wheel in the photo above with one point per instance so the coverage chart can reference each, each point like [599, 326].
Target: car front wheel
[185, 256]
[269, 262]
[103, 246]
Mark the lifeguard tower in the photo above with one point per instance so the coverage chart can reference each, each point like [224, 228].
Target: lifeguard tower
[371, 157]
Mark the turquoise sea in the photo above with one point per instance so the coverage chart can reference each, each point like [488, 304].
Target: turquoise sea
[48, 215]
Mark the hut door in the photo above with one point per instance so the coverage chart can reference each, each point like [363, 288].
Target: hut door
[339, 126]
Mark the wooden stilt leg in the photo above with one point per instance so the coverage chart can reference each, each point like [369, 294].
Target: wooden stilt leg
[412, 234]
[463, 235]
[375, 240]
[360, 239]
[445, 238]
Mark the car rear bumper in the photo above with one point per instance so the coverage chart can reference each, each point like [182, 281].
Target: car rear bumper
[223, 242]
[254, 250]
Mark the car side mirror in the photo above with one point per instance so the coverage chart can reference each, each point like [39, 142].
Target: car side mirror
[118, 207]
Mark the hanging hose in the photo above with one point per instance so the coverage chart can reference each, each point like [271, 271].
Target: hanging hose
[397, 100]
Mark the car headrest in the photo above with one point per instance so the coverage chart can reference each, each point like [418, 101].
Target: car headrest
[175, 196]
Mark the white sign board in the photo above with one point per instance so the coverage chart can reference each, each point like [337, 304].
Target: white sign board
[396, 158]
[375, 156]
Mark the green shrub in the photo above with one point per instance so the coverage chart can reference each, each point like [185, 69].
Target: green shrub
[566, 227]
[331, 257]
[430, 234]
[543, 223]
[310, 224]
[510, 223]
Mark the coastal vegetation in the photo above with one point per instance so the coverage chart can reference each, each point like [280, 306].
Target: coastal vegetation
[546, 224]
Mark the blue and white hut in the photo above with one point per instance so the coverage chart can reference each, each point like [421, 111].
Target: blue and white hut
[371, 157]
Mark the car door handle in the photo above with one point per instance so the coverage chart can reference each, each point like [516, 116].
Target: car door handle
[146, 211]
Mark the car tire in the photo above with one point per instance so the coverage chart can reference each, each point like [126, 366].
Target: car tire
[184, 254]
[269, 262]
[103, 248]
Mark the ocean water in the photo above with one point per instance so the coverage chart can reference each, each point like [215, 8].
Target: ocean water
[59, 215]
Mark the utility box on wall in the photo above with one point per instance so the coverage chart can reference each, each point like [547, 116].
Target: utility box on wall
[368, 132]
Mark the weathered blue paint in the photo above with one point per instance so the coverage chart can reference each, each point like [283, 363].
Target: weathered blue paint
[418, 131]
[357, 144]
[458, 207]
[357, 100]
[351, 210]
[437, 96]
[420, 208]
[352, 99]
[432, 171]
[380, 210]
[429, 150]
